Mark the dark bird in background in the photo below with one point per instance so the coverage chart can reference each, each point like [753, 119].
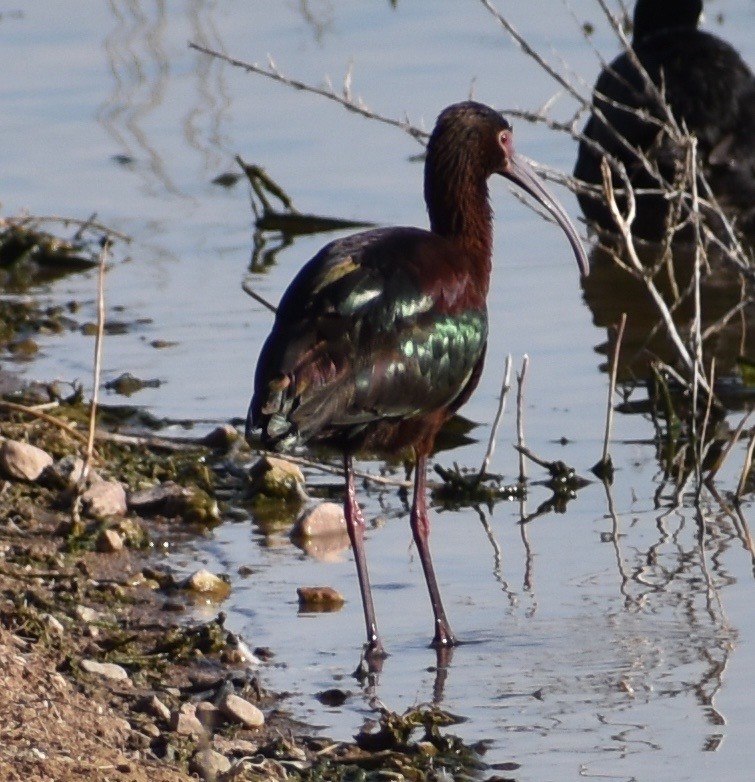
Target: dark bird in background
[382, 335]
[710, 91]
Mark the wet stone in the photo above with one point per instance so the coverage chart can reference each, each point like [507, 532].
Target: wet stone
[236, 709]
[209, 584]
[277, 478]
[22, 461]
[320, 598]
[222, 437]
[324, 519]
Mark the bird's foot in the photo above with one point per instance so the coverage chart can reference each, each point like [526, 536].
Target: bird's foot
[444, 638]
[371, 661]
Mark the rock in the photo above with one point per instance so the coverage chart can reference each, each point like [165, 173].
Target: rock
[277, 478]
[324, 519]
[53, 624]
[104, 499]
[208, 584]
[109, 671]
[208, 764]
[22, 461]
[87, 614]
[109, 541]
[157, 708]
[209, 715]
[222, 437]
[65, 473]
[185, 722]
[322, 598]
[237, 709]
[234, 746]
[191, 504]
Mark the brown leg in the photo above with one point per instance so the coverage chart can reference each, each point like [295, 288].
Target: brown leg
[420, 522]
[355, 526]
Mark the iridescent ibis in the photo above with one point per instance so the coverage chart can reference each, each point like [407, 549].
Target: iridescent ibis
[710, 91]
[381, 336]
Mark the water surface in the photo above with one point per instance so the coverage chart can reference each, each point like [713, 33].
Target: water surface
[601, 641]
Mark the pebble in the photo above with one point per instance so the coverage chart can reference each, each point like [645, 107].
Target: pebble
[109, 671]
[86, 614]
[237, 709]
[190, 503]
[209, 715]
[234, 746]
[208, 584]
[320, 598]
[66, 472]
[109, 542]
[277, 478]
[22, 461]
[324, 519]
[222, 437]
[184, 721]
[157, 708]
[53, 624]
[104, 499]
[208, 764]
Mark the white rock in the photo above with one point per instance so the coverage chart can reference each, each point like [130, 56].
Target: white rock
[22, 461]
[109, 671]
[207, 583]
[237, 709]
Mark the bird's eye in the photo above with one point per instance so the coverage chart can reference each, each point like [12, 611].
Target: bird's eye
[503, 138]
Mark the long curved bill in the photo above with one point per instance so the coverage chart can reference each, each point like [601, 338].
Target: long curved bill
[522, 173]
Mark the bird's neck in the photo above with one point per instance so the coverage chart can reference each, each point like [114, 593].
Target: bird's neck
[460, 211]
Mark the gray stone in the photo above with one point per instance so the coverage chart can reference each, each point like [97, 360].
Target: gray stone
[109, 541]
[22, 461]
[109, 671]
[185, 722]
[208, 764]
[157, 708]
[278, 478]
[208, 583]
[104, 499]
[236, 709]
[324, 519]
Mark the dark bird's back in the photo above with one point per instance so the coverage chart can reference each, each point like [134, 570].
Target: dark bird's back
[710, 91]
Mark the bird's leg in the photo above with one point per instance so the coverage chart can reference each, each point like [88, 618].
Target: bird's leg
[355, 526]
[420, 522]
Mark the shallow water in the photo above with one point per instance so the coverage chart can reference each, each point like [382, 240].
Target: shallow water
[601, 641]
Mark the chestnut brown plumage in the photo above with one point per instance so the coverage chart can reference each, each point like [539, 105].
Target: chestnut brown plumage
[382, 335]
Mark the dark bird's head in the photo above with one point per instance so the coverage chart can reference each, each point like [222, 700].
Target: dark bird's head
[655, 16]
[469, 143]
